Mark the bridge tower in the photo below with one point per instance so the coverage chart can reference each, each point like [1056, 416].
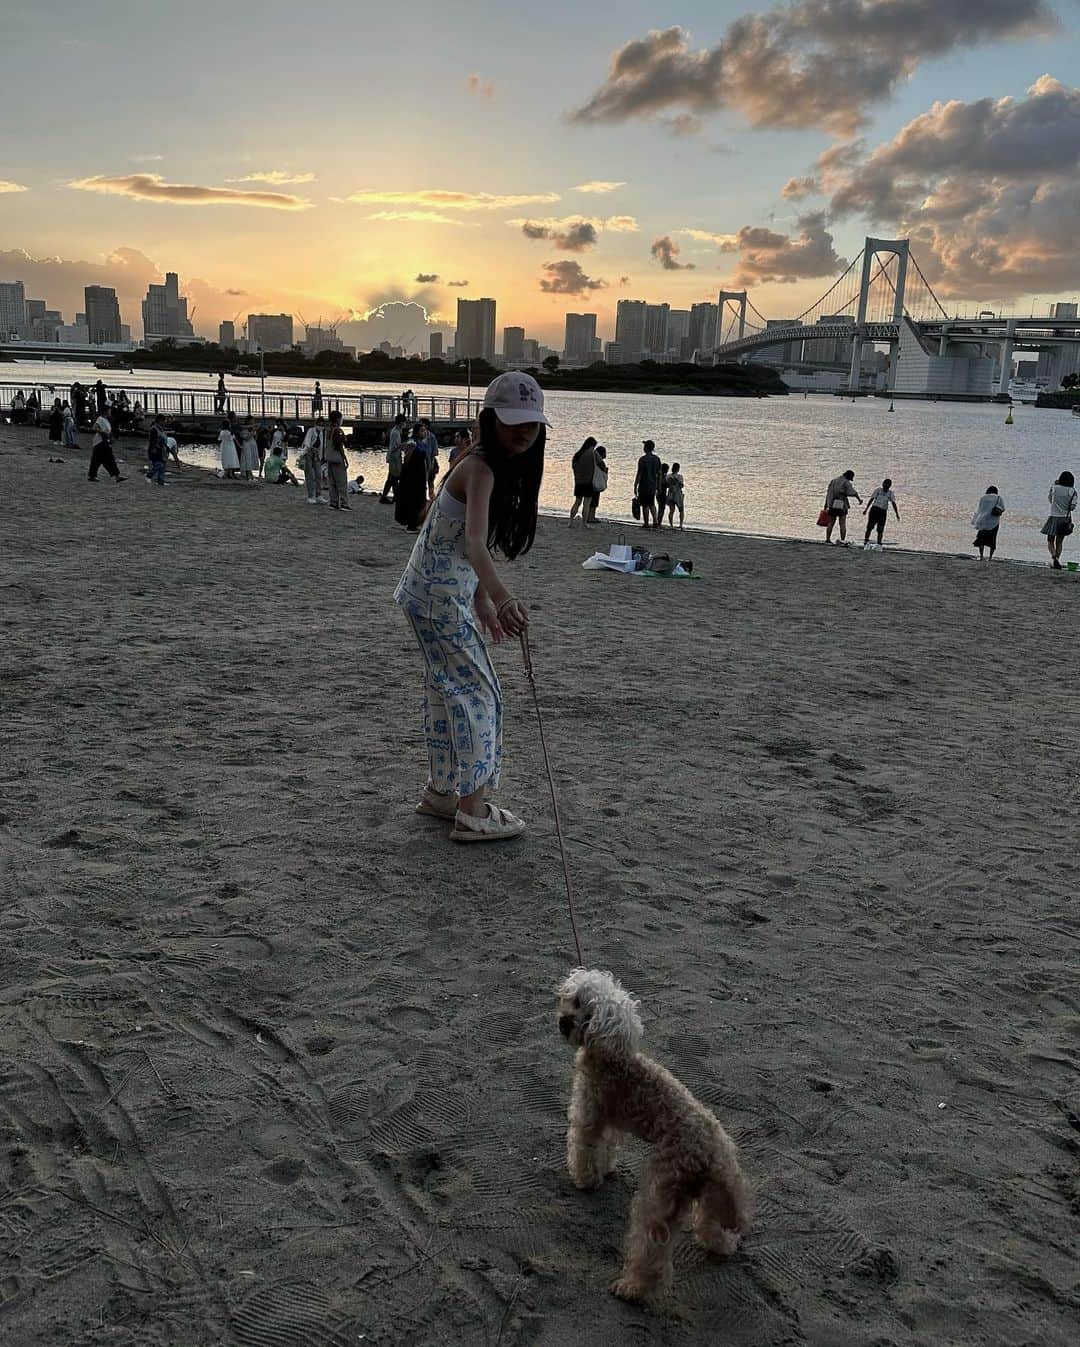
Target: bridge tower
[736, 297]
[902, 249]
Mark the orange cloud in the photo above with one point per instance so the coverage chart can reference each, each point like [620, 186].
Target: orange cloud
[152, 187]
[277, 177]
[439, 199]
[12, 186]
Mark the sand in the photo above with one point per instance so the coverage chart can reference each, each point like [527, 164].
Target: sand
[279, 1066]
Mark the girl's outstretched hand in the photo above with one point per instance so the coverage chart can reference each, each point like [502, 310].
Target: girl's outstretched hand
[514, 617]
[488, 618]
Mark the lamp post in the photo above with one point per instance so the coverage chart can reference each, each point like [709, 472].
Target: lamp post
[468, 396]
[262, 382]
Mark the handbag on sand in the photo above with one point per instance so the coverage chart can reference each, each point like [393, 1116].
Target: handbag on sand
[823, 519]
[635, 508]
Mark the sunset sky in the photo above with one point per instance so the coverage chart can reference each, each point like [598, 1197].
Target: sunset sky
[292, 157]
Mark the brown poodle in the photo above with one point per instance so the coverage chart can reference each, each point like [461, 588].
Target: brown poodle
[616, 1089]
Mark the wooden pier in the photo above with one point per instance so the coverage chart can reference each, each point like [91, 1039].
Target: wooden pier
[195, 414]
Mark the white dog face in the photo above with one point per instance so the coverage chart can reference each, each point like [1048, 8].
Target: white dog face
[596, 1012]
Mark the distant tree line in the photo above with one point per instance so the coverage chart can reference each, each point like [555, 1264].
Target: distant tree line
[645, 377]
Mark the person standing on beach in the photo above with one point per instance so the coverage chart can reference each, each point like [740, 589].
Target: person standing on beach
[583, 465]
[646, 483]
[230, 456]
[262, 444]
[68, 436]
[877, 510]
[838, 496]
[987, 519]
[278, 445]
[156, 450]
[427, 444]
[102, 394]
[599, 484]
[1059, 524]
[316, 400]
[56, 422]
[675, 484]
[101, 454]
[336, 463]
[78, 404]
[452, 594]
[411, 489]
[311, 460]
[249, 451]
[393, 460]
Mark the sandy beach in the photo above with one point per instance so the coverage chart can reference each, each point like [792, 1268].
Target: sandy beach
[279, 1063]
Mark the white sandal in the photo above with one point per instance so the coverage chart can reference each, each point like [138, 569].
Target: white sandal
[434, 805]
[497, 825]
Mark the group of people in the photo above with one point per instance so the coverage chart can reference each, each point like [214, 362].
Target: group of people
[658, 486]
[251, 451]
[412, 468]
[986, 520]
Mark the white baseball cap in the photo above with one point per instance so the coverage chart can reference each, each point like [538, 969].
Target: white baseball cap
[516, 398]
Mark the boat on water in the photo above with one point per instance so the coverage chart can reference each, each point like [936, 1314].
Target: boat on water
[116, 363]
[1076, 409]
[245, 372]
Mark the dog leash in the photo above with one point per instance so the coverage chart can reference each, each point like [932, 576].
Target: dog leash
[526, 655]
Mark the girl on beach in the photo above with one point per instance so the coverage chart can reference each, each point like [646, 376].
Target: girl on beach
[661, 494]
[1059, 524]
[674, 486]
[230, 459]
[451, 592]
[877, 510]
[986, 520]
[584, 468]
[599, 483]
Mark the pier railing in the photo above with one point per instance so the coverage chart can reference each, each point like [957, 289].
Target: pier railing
[355, 409]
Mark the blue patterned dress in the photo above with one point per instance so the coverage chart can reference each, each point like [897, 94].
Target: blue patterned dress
[462, 707]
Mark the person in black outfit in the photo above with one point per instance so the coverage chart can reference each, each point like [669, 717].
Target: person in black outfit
[102, 397]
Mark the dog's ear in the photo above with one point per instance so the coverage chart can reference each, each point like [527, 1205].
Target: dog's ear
[615, 1025]
[571, 983]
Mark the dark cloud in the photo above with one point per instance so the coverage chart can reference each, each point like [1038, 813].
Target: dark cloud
[988, 190]
[666, 252]
[573, 236]
[765, 255]
[236, 292]
[457, 285]
[426, 278]
[567, 278]
[820, 63]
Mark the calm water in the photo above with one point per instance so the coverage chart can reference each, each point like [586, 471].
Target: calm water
[761, 465]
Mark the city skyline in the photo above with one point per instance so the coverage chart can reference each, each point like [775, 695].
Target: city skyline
[722, 153]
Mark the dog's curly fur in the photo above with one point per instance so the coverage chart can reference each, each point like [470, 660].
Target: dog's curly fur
[617, 1089]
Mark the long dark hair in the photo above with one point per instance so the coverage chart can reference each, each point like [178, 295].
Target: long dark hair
[590, 443]
[512, 512]
[1066, 479]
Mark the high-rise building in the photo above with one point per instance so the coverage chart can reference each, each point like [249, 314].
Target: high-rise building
[476, 329]
[678, 329]
[1060, 310]
[102, 314]
[829, 350]
[530, 353]
[317, 339]
[164, 312]
[513, 344]
[435, 346]
[786, 353]
[12, 309]
[34, 326]
[270, 331]
[630, 329]
[613, 354]
[701, 335]
[226, 334]
[656, 329]
[54, 320]
[579, 337]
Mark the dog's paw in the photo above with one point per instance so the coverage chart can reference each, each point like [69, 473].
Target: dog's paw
[628, 1288]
